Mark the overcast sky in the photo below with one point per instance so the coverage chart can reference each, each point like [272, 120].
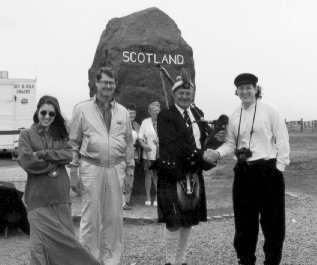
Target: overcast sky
[55, 42]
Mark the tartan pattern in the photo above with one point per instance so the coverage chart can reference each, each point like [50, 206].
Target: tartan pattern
[189, 128]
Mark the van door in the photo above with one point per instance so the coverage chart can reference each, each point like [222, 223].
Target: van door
[7, 110]
[25, 106]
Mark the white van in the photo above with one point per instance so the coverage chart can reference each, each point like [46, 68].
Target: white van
[17, 107]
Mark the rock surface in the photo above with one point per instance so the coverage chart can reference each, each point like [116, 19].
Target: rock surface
[132, 46]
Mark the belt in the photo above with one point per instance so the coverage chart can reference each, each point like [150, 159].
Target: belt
[261, 161]
[97, 162]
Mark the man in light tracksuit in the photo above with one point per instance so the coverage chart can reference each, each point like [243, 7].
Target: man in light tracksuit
[101, 137]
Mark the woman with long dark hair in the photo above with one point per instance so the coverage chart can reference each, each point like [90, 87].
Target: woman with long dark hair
[43, 153]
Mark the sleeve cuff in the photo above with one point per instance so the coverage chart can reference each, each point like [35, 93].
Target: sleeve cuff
[219, 152]
[280, 167]
[199, 152]
[130, 164]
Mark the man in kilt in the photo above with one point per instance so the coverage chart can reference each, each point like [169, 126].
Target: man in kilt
[181, 154]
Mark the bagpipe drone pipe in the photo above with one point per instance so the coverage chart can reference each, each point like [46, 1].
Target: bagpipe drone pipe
[188, 187]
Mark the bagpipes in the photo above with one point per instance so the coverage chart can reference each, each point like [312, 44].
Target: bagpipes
[188, 188]
[218, 125]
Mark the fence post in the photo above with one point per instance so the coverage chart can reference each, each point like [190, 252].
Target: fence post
[301, 124]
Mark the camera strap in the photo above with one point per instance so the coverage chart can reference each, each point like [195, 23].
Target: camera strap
[251, 132]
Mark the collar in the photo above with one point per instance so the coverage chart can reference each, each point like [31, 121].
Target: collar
[250, 107]
[100, 103]
[182, 110]
[40, 128]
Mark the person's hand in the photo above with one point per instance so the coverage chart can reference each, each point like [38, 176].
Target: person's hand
[221, 136]
[206, 157]
[214, 155]
[211, 156]
[39, 154]
[128, 184]
[134, 148]
[156, 141]
[147, 148]
[75, 183]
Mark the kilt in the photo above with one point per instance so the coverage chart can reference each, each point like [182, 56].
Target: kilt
[169, 210]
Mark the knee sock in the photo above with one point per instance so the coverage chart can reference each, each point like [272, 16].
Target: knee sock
[171, 243]
[182, 245]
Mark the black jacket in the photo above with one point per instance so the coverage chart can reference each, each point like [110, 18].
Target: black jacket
[175, 147]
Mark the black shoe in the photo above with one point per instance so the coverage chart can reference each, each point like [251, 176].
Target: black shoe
[168, 264]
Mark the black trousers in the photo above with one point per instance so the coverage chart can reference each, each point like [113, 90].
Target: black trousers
[259, 197]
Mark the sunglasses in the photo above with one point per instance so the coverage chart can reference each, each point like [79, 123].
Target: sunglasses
[50, 113]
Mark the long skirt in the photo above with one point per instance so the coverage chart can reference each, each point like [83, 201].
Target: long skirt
[53, 240]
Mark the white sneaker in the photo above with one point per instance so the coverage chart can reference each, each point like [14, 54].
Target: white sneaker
[155, 203]
[147, 203]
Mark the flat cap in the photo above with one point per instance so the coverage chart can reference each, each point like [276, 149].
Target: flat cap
[245, 79]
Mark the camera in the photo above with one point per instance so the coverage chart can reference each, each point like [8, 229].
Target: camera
[243, 154]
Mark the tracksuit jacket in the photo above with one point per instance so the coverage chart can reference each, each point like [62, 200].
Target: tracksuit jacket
[91, 140]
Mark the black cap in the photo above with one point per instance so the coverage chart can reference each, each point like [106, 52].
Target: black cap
[245, 79]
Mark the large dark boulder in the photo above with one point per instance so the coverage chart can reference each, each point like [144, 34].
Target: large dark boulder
[132, 46]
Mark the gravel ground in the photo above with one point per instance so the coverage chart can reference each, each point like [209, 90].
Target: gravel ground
[211, 241]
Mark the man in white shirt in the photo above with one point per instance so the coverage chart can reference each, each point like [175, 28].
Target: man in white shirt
[258, 135]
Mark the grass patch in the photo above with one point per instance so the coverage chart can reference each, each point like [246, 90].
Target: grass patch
[301, 174]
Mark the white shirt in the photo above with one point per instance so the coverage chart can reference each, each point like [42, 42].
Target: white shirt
[195, 127]
[134, 136]
[147, 134]
[270, 136]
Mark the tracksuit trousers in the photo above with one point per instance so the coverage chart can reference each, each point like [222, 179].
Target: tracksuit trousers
[101, 225]
[259, 197]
